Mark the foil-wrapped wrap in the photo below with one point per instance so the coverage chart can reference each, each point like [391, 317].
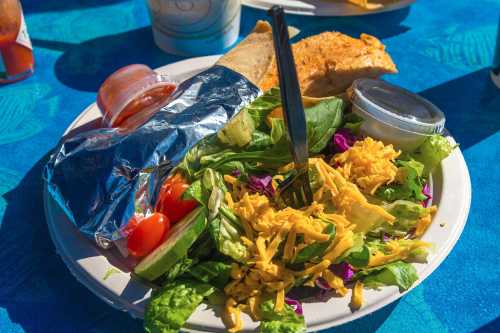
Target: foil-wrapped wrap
[101, 177]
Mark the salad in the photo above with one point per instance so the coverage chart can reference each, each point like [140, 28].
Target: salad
[219, 234]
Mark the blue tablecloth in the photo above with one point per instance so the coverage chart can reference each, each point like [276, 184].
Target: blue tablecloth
[443, 49]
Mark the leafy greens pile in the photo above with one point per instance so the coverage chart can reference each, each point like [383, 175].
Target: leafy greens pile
[252, 148]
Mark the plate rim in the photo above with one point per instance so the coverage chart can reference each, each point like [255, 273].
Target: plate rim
[326, 12]
[116, 301]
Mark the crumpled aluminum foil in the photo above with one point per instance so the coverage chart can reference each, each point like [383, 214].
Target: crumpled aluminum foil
[101, 177]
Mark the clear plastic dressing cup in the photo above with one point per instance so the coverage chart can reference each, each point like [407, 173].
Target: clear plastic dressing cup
[131, 95]
[395, 115]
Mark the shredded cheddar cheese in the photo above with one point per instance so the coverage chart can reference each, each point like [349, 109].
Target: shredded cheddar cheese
[335, 282]
[229, 200]
[365, 4]
[253, 305]
[267, 228]
[357, 296]
[341, 246]
[396, 250]
[280, 300]
[348, 199]
[232, 316]
[289, 245]
[368, 163]
[275, 237]
[315, 269]
[230, 179]
[424, 222]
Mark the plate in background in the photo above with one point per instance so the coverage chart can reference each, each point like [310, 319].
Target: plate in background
[325, 7]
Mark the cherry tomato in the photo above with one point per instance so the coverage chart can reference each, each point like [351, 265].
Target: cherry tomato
[148, 234]
[132, 224]
[170, 200]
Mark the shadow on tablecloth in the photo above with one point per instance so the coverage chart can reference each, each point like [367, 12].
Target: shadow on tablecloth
[471, 104]
[37, 290]
[381, 25]
[491, 327]
[38, 6]
[84, 66]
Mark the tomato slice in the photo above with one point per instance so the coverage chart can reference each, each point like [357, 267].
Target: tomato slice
[170, 200]
[148, 234]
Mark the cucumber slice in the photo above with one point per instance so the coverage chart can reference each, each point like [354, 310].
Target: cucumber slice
[175, 247]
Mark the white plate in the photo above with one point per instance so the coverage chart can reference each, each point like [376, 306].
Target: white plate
[89, 264]
[324, 7]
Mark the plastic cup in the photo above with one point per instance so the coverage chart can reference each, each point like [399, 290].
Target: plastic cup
[395, 115]
[131, 95]
[195, 27]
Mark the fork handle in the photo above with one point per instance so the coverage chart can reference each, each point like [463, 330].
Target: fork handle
[291, 99]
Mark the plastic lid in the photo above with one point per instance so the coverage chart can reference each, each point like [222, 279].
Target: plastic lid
[397, 107]
[126, 85]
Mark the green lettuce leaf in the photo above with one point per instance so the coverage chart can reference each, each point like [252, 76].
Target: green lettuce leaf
[398, 273]
[410, 189]
[191, 161]
[353, 122]
[224, 227]
[262, 106]
[406, 210]
[179, 268]
[375, 245]
[286, 321]
[264, 160]
[238, 131]
[260, 140]
[432, 151]
[211, 180]
[202, 248]
[201, 189]
[171, 306]
[316, 249]
[280, 326]
[357, 246]
[359, 258]
[216, 273]
[278, 131]
[227, 238]
[407, 214]
[419, 254]
[358, 254]
[230, 166]
[194, 191]
[266, 151]
[315, 179]
[249, 145]
[322, 120]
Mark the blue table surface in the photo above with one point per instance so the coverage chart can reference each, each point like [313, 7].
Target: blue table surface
[443, 49]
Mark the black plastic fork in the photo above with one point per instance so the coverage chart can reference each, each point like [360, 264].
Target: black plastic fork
[295, 191]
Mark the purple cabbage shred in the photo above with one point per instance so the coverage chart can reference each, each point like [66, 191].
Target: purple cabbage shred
[426, 190]
[261, 184]
[322, 284]
[324, 290]
[295, 304]
[343, 139]
[236, 173]
[385, 237]
[344, 270]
